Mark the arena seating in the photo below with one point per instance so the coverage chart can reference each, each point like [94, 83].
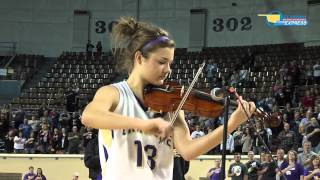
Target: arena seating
[88, 74]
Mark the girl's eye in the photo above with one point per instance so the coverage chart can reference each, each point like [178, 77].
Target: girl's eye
[161, 62]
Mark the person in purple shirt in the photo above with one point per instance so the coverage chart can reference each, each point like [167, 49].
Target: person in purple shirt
[313, 172]
[214, 173]
[30, 175]
[294, 170]
[40, 175]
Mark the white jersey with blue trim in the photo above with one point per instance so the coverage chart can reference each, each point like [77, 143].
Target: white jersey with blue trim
[131, 154]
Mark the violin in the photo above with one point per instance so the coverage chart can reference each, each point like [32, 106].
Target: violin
[166, 98]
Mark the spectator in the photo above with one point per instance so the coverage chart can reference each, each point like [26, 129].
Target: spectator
[18, 117]
[54, 116]
[237, 135]
[307, 119]
[289, 112]
[294, 124]
[237, 170]
[281, 162]
[30, 175]
[215, 173]
[309, 74]
[211, 69]
[294, 72]
[9, 141]
[180, 166]
[59, 98]
[243, 75]
[308, 99]
[283, 72]
[304, 157]
[253, 166]
[63, 142]
[89, 49]
[88, 136]
[257, 143]
[46, 119]
[247, 140]
[42, 109]
[4, 124]
[64, 119]
[313, 134]
[294, 170]
[19, 143]
[302, 136]
[234, 79]
[313, 172]
[75, 120]
[288, 138]
[268, 171]
[44, 139]
[316, 73]
[72, 99]
[91, 158]
[56, 137]
[99, 48]
[229, 145]
[35, 125]
[197, 133]
[74, 141]
[269, 133]
[40, 175]
[25, 128]
[75, 176]
[30, 145]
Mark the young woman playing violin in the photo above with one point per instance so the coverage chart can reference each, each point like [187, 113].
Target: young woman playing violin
[128, 135]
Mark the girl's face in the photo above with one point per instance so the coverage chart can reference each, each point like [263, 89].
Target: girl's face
[292, 156]
[316, 162]
[156, 68]
[39, 171]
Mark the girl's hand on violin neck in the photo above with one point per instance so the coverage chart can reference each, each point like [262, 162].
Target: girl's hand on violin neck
[158, 127]
[242, 112]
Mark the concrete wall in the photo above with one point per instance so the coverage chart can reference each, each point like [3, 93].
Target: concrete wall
[46, 26]
[57, 167]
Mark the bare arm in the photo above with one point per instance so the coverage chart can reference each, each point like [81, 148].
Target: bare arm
[310, 176]
[192, 148]
[99, 114]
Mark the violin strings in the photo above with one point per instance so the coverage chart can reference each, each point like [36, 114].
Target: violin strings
[187, 94]
[176, 113]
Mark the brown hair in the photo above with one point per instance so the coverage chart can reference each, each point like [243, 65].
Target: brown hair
[129, 36]
[313, 157]
[295, 155]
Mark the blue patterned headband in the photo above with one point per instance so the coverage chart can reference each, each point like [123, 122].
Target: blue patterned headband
[154, 42]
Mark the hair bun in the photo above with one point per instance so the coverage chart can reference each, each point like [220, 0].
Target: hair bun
[131, 24]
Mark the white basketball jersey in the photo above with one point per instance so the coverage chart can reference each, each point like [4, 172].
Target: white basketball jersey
[131, 154]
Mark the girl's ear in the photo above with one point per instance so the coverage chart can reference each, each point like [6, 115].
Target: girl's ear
[138, 57]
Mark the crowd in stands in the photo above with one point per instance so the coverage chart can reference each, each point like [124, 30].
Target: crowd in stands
[293, 166]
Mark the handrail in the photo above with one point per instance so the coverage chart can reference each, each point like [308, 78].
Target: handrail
[8, 48]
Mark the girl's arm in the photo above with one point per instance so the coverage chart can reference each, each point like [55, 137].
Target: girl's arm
[99, 114]
[190, 149]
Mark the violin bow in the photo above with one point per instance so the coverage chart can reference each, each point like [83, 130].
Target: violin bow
[251, 122]
[185, 96]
